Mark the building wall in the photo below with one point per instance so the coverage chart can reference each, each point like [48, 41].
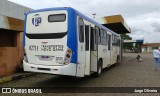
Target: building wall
[8, 60]
[148, 49]
[144, 49]
[10, 51]
[12, 15]
[13, 10]
[11, 28]
[11, 23]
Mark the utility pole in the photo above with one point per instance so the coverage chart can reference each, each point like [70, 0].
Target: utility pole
[94, 15]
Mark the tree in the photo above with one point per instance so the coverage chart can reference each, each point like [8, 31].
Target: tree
[127, 37]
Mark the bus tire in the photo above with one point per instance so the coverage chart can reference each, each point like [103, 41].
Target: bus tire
[99, 68]
[118, 60]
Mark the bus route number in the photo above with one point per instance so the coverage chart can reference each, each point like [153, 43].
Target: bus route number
[33, 48]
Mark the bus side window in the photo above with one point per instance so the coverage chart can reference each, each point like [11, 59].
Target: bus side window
[102, 37]
[118, 42]
[109, 42]
[93, 39]
[81, 30]
[105, 38]
[115, 41]
[87, 27]
[98, 36]
[112, 39]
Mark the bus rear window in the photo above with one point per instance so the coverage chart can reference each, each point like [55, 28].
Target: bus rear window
[57, 18]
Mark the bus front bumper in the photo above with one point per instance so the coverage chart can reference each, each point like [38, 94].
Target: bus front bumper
[69, 69]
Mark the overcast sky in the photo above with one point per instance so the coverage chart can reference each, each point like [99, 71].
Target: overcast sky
[142, 16]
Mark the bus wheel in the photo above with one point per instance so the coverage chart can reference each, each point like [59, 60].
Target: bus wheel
[118, 60]
[99, 69]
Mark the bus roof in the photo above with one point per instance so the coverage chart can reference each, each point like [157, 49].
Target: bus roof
[72, 9]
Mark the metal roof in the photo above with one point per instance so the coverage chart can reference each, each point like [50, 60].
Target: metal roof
[115, 23]
[133, 41]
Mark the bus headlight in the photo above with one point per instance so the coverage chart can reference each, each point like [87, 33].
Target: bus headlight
[67, 56]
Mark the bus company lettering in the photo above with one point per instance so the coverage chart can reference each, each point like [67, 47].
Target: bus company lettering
[51, 47]
[47, 48]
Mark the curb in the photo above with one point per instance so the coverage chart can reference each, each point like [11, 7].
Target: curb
[16, 77]
[5, 79]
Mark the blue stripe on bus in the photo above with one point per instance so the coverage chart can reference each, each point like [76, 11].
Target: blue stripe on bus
[24, 41]
[46, 9]
[72, 34]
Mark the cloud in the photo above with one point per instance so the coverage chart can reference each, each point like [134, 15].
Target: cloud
[156, 26]
[146, 25]
[143, 16]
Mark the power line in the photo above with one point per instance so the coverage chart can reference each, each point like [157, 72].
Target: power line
[71, 6]
[64, 3]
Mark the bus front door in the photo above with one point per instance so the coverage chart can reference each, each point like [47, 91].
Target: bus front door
[81, 48]
[93, 48]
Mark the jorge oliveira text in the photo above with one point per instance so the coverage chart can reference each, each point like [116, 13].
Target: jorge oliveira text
[145, 91]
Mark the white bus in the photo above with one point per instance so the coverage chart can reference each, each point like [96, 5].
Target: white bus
[63, 41]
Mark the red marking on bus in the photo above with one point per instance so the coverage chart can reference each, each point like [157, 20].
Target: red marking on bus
[44, 42]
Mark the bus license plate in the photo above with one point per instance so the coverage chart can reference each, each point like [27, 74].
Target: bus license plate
[45, 58]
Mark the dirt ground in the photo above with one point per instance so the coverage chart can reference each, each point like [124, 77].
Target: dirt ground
[129, 73]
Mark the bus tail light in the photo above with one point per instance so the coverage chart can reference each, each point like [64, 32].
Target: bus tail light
[25, 56]
[67, 56]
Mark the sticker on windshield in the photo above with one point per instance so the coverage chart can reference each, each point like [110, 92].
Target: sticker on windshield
[36, 20]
